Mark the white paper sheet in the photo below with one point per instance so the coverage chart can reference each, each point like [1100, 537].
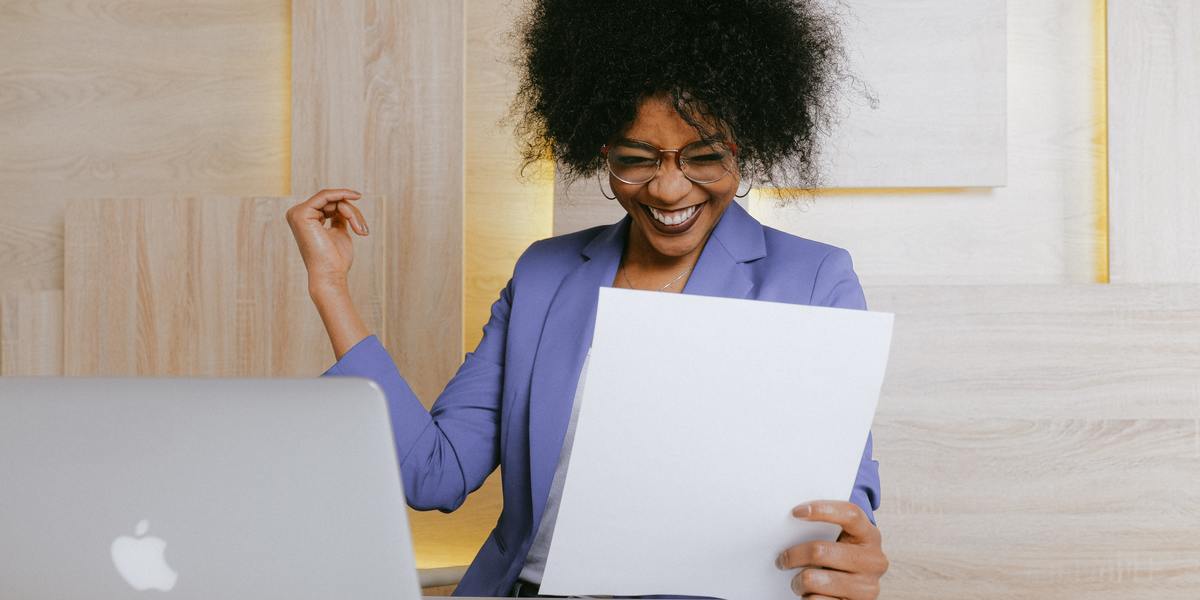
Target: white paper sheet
[703, 422]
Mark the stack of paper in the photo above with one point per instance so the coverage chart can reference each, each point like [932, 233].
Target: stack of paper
[703, 422]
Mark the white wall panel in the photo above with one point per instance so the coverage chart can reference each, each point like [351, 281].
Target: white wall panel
[1154, 138]
[1042, 226]
[935, 70]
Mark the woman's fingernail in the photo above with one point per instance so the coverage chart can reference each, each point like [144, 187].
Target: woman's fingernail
[364, 228]
[779, 562]
[802, 511]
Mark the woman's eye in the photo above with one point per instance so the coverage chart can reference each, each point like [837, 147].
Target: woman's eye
[634, 161]
[714, 157]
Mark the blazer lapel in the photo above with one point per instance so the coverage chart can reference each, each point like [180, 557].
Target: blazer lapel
[737, 238]
[566, 336]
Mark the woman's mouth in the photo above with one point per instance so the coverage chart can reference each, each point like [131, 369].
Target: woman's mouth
[674, 222]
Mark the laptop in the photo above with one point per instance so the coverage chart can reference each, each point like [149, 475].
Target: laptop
[200, 488]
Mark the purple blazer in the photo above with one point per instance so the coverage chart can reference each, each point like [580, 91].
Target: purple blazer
[510, 402]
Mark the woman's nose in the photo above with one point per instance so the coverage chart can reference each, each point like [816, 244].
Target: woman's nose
[669, 185]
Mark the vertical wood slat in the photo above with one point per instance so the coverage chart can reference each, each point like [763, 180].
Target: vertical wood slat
[1153, 84]
[377, 106]
[210, 286]
[31, 333]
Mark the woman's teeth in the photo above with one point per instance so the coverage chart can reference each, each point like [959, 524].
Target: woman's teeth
[674, 217]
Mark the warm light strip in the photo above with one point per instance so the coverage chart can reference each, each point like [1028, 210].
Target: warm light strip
[287, 106]
[1100, 138]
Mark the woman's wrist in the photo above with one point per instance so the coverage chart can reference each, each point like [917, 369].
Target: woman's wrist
[328, 287]
[338, 313]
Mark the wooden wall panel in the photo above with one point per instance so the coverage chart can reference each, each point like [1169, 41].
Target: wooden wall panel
[207, 286]
[31, 333]
[378, 104]
[505, 213]
[108, 98]
[378, 107]
[1154, 84]
[1040, 441]
[1094, 351]
[1039, 508]
[934, 115]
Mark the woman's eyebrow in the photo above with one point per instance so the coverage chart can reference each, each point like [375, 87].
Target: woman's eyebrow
[626, 141]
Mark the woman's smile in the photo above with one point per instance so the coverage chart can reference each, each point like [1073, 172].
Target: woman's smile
[676, 221]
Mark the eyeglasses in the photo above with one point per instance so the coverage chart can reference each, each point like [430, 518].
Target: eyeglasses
[636, 162]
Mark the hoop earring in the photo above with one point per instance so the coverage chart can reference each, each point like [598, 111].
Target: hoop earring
[745, 193]
[601, 185]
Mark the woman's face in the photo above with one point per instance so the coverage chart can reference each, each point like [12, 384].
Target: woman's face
[669, 192]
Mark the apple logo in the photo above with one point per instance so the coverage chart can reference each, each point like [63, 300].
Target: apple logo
[141, 562]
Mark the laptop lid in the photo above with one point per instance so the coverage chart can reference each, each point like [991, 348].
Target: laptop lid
[200, 488]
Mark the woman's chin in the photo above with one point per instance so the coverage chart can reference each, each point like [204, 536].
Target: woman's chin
[676, 246]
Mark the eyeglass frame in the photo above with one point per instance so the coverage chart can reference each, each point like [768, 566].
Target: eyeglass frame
[679, 160]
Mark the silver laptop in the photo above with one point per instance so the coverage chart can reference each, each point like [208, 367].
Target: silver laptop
[200, 488]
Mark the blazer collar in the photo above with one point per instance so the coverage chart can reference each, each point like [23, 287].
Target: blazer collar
[571, 316]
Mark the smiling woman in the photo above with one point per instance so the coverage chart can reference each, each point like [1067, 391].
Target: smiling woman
[679, 103]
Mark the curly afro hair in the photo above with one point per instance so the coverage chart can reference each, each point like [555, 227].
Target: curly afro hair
[761, 73]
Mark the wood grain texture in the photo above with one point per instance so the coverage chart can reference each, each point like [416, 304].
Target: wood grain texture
[207, 286]
[1037, 229]
[1041, 441]
[378, 103]
[378, 107]
[1154, 83]
[116, 97]
[504, 213]
[1032, 507]
[933, 113]
[31, 333]
[1094, 351]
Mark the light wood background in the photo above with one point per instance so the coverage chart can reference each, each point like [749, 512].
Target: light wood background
[930, 112]
[1154, 75]
[205, 286]
[1038, 435]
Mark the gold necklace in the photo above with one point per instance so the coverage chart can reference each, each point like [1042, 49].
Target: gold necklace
[626, 276]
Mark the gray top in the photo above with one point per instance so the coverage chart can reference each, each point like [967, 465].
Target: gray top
[535, 562]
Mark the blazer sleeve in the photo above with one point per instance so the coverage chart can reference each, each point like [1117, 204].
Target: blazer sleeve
[448, 451]
[837, 285]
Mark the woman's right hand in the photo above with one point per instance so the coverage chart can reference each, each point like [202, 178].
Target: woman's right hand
[327, 251]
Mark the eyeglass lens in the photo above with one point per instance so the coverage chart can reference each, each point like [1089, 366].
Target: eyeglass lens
[702, 162]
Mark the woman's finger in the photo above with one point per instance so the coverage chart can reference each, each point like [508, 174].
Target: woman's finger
[354, 216]
[314, 208]
[323, 197]
[835, 584]
[830, 555]
[848, 515]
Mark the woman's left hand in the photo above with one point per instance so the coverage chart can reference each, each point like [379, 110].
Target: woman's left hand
[849, 568]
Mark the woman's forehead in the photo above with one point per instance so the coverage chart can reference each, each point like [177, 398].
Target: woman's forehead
[658, 123]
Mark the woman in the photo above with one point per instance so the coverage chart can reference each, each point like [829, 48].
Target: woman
[689, 100]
